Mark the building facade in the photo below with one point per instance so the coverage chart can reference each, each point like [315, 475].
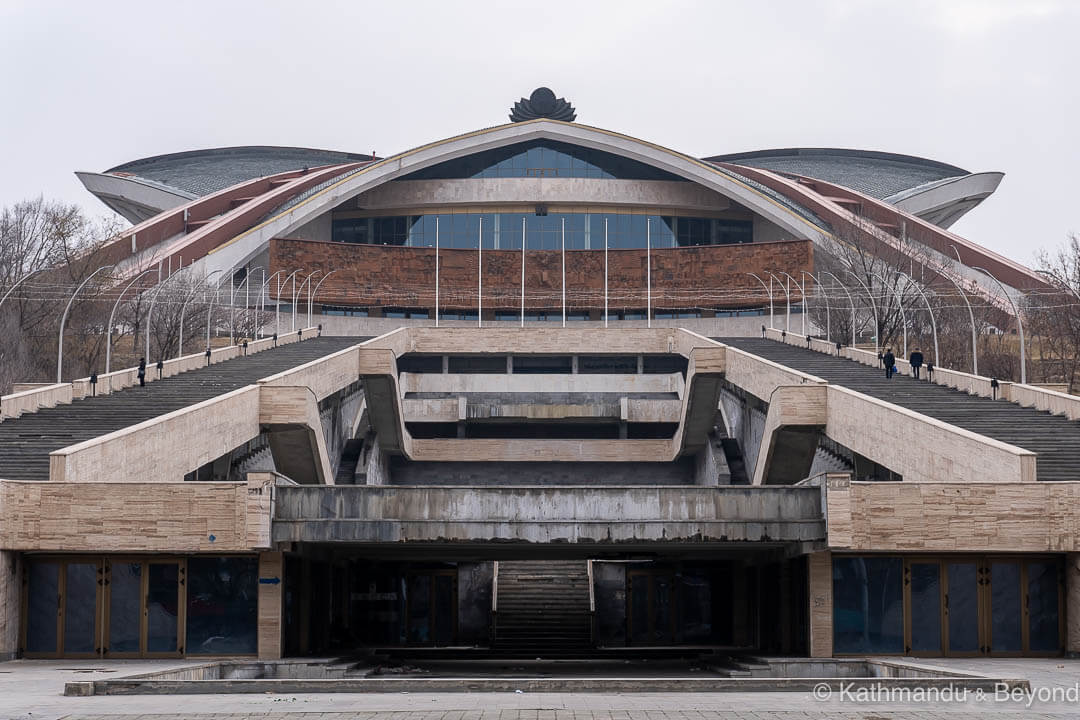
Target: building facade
[538, 409]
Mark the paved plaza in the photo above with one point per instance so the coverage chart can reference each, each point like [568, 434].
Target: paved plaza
[32, 689]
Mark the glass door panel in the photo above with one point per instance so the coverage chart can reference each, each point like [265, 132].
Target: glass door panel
[662, 609]
[962, 608]
[639, 608]
[125, 607]
[1044, 634]
[925, 590]
[80, 608]
[162, 607]
[419, 609]
[1005, 608]
[445, 609]
[43, 607]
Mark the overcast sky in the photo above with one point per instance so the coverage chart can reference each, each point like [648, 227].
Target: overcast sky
[983, 84]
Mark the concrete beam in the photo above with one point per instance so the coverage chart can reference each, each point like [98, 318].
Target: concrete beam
[389, 514]
[291, 416]
[797, 414]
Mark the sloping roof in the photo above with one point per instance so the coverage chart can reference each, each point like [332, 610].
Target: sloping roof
[878, 174]
[202, 172]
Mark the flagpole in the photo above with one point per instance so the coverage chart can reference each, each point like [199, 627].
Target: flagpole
[522, 271]
[564, 272]
[480, 275]
[648, 271]
[436, 271]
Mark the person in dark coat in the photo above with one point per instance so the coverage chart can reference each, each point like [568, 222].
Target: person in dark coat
[890, 363]
[916, 363]
[142, 372]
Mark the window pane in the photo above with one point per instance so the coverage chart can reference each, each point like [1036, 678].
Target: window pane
[162, 607]
[80, 607]
[222, 603]
[419, 590]
[42, 607]
[1005, 607]
[868, 614]
[963, 607]
[1043, 632]
[925, 607]
[125, 594]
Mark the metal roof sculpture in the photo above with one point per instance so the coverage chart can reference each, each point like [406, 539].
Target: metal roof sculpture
[542, 104]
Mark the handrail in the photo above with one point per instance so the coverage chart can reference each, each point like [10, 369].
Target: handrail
[494, 599]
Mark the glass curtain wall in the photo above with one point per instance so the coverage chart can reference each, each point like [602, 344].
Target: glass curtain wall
[502, 231]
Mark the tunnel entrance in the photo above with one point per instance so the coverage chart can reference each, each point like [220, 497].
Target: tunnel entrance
[339, 601]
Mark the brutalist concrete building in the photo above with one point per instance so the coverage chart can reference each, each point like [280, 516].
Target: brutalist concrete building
[523, 390]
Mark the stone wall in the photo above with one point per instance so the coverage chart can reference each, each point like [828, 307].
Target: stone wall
[10, 596]
[954, 517]
[391, 276]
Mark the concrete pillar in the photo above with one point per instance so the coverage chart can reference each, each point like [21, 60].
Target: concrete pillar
[445, 364]
[10, 596]
[574, 364]
[271, 604]
[509, 364]
[1072, 604]
[640, 364]
[819, 578]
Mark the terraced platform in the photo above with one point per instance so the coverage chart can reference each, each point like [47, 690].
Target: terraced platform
[25, 442]
[1054, 439]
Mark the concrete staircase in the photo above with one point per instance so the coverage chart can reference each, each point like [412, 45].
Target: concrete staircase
[25, 442]
[543, 606]
[1054, 439]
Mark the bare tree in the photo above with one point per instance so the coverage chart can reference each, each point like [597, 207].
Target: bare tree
[52, 247]
[1054, 317]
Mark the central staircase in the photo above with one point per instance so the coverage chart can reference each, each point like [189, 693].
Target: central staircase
[543, 606]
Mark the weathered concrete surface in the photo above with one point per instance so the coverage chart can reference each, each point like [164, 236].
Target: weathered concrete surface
[391, 514]
[797, 414]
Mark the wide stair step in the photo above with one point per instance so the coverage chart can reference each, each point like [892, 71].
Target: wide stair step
[543, 605]
[1053, 438]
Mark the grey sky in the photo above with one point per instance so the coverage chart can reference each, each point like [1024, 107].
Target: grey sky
[983, 84]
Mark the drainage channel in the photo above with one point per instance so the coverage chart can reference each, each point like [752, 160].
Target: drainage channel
[707, 674]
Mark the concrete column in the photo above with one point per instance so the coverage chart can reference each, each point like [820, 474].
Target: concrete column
[1072, 604]
[509, 364]
[445, 364]
[271, 604]
[574, 364]
[640, 364]
[10, 596]
[819, 577]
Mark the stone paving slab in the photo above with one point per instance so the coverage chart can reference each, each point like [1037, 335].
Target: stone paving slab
[565, 714]
[32, 690]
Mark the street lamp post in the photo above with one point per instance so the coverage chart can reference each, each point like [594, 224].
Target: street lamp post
[1019, 323]
[18, 282]
[828, 312]
[314, 292]
[63, 321]
[295, 294]
[277, 304]
[768, 291]
[150, 311]
[873, 307]
[851, 300]
[805, 303]
[900, 305]
[974, 331]
[112, 314]
[787, 294]
[183, 308]
[933, 321]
